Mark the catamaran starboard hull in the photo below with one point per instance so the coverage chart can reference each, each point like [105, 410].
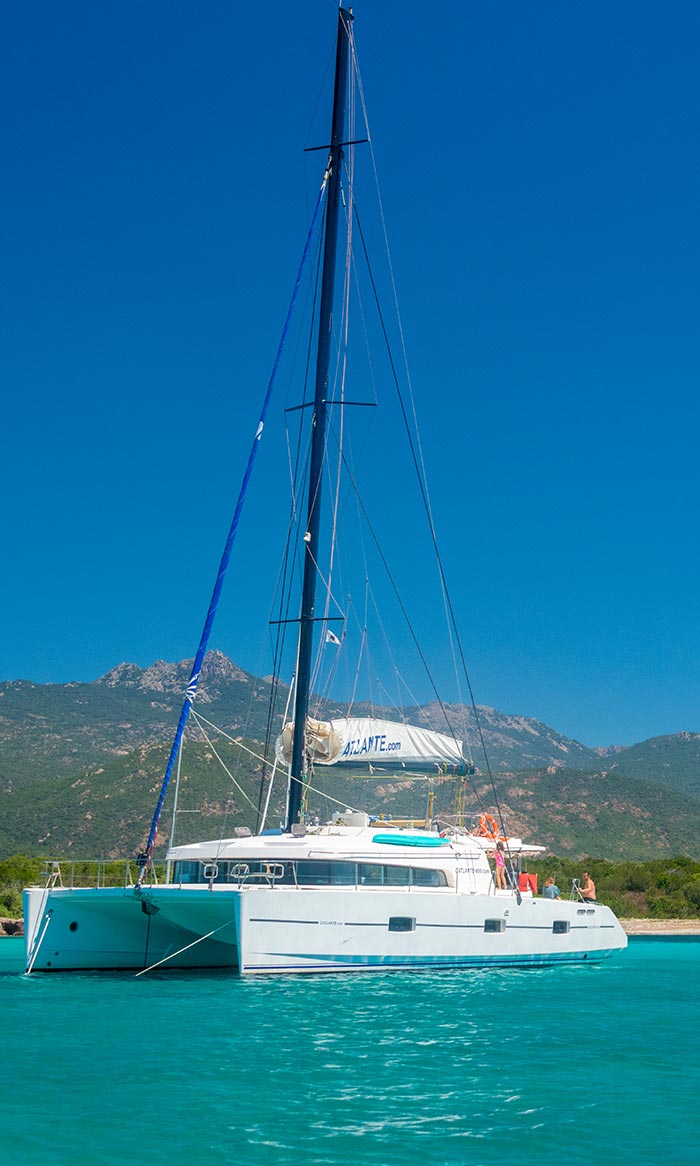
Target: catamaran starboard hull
[291, 930]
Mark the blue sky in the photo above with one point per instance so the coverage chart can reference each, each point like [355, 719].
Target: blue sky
[539, 170]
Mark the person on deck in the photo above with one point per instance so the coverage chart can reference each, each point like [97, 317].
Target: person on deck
[551, 890]
[587, 888]
[499, 856]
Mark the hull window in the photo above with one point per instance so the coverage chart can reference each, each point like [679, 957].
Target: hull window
[402, 923]
[494, 924]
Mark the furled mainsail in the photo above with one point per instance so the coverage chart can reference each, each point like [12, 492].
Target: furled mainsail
[363, 740]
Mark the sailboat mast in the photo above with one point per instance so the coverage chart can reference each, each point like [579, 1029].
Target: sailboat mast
[318, 436]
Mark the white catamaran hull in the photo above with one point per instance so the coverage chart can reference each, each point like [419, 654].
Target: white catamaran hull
[283, 930]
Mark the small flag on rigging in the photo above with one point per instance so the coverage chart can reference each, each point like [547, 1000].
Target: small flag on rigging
[331, 638]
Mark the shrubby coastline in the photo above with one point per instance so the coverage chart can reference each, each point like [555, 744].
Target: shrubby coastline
[656, 891]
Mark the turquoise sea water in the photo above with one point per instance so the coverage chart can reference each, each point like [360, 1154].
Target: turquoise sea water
[590, 1064]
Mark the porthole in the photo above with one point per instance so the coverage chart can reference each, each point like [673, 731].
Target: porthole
[73, 926]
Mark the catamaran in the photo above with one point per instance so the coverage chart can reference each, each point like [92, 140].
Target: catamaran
[355, 893]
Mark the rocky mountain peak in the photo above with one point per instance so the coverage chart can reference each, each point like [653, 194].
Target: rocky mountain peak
[123, 676]
[171, 678]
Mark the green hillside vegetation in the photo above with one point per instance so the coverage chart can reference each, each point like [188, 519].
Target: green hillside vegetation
[81, 766]
[49, 730]
[52, 729]
[666, 888]
[606, 814]
[669, 761]
[105, 811]
[663, 889]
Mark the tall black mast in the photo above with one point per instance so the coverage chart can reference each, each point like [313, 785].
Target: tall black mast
[318, 436]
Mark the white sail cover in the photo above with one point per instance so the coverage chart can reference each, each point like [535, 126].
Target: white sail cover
[361, 740]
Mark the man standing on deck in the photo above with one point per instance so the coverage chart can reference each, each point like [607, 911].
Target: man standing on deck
[587, 888]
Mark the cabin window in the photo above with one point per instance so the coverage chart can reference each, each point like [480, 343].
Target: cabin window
[314, 873]
[429, 878]
[401, 923]
[494, 924]
[317, 873]
[560, 927]
[307, 873]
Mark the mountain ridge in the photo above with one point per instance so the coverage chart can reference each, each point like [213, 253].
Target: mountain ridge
[80, 763]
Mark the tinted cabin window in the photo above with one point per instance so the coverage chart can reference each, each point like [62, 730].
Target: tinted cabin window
[560, 927]
[314, 873]
[429, 878]
[307, 873]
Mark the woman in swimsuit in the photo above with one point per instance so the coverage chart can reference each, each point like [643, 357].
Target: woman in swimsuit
[500, 858]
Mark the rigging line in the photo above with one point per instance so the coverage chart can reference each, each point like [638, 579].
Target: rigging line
[445, 594]
[274, 767]
[388, 647]
[431, 525]
[363, 548]
[281, 593]
[341, 372]
[400, 679]
[447, 603]
[399, 600]
[341, 363]
[281, 600]
[413, 699]
[220, 759]
[421, 472]
[326, 583]
[200, 939]
[203, 720]
[329, 798]
[391, 701]
[145, 859]
[310, 307]
[404, 612]
[272, 712]
[290, 558]
[363, 644]
[230, 805]
[38, 943]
